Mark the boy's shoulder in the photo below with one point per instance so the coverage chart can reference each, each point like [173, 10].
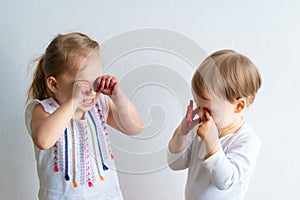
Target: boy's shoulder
[246, 136]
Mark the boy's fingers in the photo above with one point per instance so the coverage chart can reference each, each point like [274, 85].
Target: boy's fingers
[196, 111]
[196, 121]
[206, 113]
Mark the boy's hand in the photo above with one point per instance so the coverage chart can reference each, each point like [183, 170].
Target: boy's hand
[188, 123]
[208, 132]
[107, 85]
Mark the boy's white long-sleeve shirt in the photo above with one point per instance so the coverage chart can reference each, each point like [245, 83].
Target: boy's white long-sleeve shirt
[224, 175]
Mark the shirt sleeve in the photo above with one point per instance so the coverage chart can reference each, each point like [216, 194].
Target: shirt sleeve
[28, 113]
[234, 166]
[180, 161]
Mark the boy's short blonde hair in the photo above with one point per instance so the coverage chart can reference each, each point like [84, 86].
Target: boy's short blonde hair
[227, 75]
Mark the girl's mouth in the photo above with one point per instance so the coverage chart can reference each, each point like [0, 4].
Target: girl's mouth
[88, 102]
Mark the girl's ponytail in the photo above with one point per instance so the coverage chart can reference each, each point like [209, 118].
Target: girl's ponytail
[38, 88]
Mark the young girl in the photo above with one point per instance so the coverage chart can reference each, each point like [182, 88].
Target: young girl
[67, 119]
[218, 147]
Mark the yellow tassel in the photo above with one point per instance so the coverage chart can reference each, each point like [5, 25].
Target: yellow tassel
[101, 178]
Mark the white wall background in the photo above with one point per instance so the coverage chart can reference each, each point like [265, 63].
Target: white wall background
[267, 31]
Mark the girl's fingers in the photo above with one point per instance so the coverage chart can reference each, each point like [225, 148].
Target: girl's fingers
[108, 82]
[102, 83]
[113, 82]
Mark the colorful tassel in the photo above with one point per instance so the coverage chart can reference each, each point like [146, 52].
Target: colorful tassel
[104, 167]
[112, 156]
[56, 168]
[90, 184]
[75, 184]
[101, 178]
[67, 177]
[66, 155]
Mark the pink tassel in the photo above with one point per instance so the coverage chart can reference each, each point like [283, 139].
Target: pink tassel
[56, 168]
[90, 184]
[112, 156]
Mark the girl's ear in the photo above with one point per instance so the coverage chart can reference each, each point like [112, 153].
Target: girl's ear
[52, 84]
[240, 105]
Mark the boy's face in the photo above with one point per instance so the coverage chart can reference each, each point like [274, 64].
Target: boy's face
[222, 111]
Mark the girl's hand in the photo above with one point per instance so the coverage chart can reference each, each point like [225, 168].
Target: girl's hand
[188, 123]
[81, 89]
[208, 132]
[107, 85]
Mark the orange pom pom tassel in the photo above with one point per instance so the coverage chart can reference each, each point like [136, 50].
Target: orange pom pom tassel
[75, 184]
[101, 178]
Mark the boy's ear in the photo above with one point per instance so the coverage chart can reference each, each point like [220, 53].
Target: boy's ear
[240, 105]
[52, 84]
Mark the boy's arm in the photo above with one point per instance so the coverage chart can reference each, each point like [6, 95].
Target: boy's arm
[179, 151]
[236, 165]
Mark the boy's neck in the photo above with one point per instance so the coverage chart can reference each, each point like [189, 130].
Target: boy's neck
[233, 127]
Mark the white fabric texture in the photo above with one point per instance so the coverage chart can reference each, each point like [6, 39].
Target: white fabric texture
[226, 174]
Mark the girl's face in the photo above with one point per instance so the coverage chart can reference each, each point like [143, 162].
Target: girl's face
[222, 111]
[90, 68]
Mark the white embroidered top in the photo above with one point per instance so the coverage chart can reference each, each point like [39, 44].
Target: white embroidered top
[80, 165]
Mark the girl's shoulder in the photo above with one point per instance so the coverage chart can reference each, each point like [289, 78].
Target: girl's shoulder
[49, 105]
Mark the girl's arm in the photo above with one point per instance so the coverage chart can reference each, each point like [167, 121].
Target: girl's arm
[122, 115]
[46, 129]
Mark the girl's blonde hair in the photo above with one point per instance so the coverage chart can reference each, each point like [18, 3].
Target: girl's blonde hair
[60, 56]
[227, 75]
